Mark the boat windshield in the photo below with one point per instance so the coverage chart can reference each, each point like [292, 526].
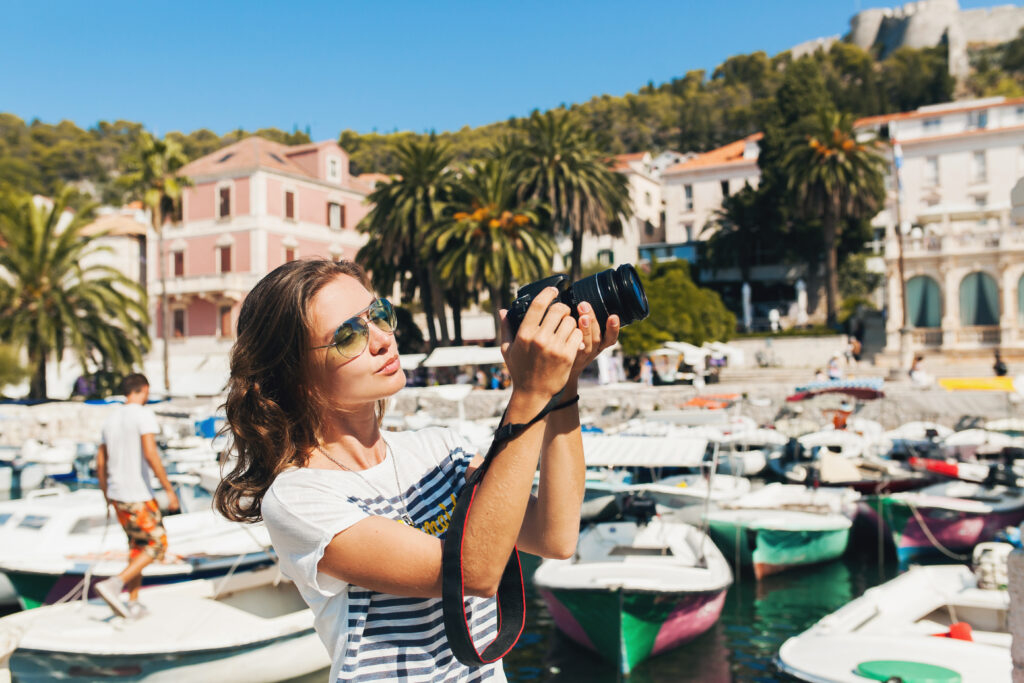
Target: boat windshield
[87, 524]
[34, 522]
[4, 516]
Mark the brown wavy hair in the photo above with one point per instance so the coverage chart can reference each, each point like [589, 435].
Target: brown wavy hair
[272, 412]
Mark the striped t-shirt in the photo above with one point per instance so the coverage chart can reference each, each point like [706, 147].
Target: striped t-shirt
[374, 636]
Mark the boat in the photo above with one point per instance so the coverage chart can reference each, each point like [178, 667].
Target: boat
[690, 491]
[636, 589]
[771, 541]
[250, 626]
[864, 474]
[889, 633]
[947, 518]
[55, 542]
[820, 500]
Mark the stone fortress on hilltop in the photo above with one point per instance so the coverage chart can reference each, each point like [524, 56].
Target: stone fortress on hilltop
[928, 22]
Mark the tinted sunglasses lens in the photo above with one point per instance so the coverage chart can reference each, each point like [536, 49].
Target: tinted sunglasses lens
[350, 338]
[383, 315]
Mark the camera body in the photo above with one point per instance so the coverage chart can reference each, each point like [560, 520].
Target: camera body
[611, 292]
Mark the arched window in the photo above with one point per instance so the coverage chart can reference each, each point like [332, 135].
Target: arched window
[924, 302]
[979, 300]
[1020, 299]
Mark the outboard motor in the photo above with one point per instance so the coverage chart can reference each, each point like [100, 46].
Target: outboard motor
[639, 509]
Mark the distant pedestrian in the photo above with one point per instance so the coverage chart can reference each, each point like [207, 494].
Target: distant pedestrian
[917, 374]
[999, 367]
[647, 371]
[834, 370]
[125, 462]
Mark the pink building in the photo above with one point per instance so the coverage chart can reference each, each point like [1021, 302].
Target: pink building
[251, 206]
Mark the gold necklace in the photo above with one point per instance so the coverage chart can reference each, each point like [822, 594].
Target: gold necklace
[406, 517]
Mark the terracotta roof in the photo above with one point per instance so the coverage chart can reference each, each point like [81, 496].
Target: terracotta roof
[620, 162]
[932, 113]
[115, 224]
[727, 154]
[373, 178]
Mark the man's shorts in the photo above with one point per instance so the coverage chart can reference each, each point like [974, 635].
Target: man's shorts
[144, 525]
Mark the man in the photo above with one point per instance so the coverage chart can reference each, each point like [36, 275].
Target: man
[125, 462]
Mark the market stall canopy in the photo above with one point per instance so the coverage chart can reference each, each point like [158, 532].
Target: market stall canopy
[446, 356]
[693, 355]
[864, 389]
[643, 451]
[732, 354]
[1008, 384]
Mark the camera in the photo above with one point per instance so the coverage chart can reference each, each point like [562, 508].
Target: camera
[611, 292]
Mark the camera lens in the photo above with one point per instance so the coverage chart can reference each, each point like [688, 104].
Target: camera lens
[612, 292]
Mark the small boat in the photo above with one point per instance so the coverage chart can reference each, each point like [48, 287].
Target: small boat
[771, 541]
[889, 633]
[634, 590]
[863, 474]
[691, 490]
[55, 541]
[821, 500]
[251, 627]
[948, 518]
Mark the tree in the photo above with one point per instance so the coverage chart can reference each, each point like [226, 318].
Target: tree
[54, 295]
[153, 177]
[743, 232]
[834, 177]
[490, 238]
[403, 211]
[680, 311]
[560, 164]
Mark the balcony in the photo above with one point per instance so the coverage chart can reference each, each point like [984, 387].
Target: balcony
[980, 335]
[927, 337]
[962, 243]
[234, 284]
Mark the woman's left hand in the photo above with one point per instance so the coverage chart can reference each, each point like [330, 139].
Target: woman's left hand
[594, 342]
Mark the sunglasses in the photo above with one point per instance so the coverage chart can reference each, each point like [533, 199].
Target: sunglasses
[352, 336]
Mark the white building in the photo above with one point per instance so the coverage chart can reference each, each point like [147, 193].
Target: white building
[963, 248]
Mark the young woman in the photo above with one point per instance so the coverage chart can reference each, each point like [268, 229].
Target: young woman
[357, 515]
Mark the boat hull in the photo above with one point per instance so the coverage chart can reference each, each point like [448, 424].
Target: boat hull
[627, 626]
[273, 660]
[956, 530]
[35, 589]
[770, 551]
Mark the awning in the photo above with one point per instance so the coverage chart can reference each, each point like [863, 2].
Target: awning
[411, 361]
[1008, 384]
[444, 356]
[643, 451]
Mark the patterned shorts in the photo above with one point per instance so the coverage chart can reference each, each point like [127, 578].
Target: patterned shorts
[144, 525]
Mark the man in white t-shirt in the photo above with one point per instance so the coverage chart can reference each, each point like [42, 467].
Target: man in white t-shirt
[125, 462]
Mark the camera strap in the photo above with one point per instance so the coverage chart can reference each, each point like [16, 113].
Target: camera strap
[511, 596]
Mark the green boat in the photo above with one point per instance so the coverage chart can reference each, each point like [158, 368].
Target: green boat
[771, 541]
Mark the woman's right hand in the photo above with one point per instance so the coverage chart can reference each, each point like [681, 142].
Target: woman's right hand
[542, 352]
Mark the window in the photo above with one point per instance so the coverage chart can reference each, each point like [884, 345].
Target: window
[648, 228]
[931, 171]
[647, 198]
[289, 254]
[333, 169]
[1020, 113]
[335, 215]
[687, 197]
[725, 188]
[4, 517]
[977, 119]
[179, 264]
[979, 167]
[225, 259]
[689, 231]
[981, 200]
[33, 522]
[179, 323]
[932, 126]
[606, 257]
[224, 209]
[87, 524]
[224, 319]
[289, 204]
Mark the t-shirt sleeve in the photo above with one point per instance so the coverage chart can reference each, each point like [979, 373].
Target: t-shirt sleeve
[147, 422]
[302, 517]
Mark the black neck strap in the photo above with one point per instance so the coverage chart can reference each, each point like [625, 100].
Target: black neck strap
[511, 596]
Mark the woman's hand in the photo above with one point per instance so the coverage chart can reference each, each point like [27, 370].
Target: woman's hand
[594, 342]
[542, 354]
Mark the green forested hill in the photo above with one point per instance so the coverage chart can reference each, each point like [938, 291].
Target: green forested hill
[695, 112]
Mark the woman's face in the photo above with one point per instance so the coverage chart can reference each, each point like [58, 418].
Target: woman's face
[372, 375]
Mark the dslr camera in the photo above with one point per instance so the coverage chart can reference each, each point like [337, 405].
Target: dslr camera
[611, 292]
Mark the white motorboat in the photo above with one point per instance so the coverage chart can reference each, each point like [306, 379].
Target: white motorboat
[634, 590]
[845, 443]
[690, 491]
[821, 500]
[250, 627]
[894, 625]
[54, 540]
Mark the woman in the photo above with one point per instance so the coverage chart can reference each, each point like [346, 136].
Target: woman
[314, 362]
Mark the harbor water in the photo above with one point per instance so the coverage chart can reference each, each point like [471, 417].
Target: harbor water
[757, 618]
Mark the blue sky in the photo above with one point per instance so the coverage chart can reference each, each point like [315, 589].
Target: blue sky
[371, 65]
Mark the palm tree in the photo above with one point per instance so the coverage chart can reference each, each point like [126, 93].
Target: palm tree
[55, 296]
[153, 178]
[740, 231]
[403, 211]
[559, 164]
[834, 177]
[489, 237]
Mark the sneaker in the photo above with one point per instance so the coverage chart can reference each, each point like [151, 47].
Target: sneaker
[136, 610]
[110, 590]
